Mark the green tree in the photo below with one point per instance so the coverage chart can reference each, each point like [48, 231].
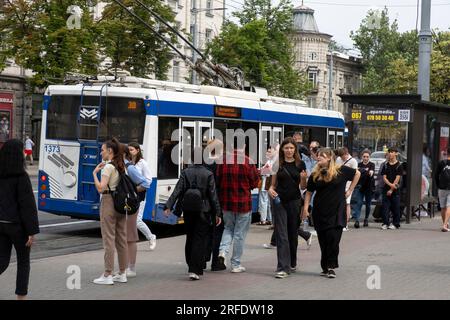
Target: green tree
[391, 58]
[377, 39]
[35, 34]
[130, 44]
[440, 68]
[261, 47]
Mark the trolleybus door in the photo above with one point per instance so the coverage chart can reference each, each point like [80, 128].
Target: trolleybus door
[269, 136]
[331, 139]
[193, 134]
[339, 139]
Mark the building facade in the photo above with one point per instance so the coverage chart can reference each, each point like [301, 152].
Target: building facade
[20, 109]
[200, 18]
[204, 18]
[314, 57]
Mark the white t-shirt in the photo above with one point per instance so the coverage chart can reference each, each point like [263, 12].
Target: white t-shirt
[351, 163]
[29, 144]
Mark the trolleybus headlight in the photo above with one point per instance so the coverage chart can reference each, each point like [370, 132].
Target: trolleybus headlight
[43, 196]
[43, 187]
[43, 178]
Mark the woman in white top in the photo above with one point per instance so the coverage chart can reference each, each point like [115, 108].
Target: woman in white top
[113, 224]
[144, 170]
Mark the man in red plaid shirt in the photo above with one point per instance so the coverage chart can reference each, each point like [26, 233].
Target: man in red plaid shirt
[236, 178]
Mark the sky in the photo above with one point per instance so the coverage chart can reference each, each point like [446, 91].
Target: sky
[339, 17]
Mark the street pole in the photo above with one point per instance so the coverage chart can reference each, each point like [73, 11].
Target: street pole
[224, 8]
[330, 83]
[194, 40]
[423, 86]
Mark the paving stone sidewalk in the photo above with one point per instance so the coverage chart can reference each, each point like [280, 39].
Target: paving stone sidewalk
[414, 263]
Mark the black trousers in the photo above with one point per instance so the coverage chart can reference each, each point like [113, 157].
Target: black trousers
[329, 246]
[14, 235]
[214, 238]
[302, 233]
[287, 221]
[273, 239]
[197, 229]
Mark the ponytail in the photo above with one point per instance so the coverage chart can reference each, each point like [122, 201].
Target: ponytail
[117, 148]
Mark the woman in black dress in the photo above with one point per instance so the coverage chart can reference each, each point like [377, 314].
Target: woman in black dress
[328, 180]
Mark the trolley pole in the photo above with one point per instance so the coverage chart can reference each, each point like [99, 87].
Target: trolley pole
[425, 44]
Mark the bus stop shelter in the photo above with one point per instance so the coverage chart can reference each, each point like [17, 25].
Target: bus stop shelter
[426, 123]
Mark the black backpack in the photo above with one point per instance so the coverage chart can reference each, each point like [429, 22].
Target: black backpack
[125, 197]
[444, 177]
[192, 198]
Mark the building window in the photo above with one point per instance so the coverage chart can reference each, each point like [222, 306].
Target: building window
[312, 77]
[176, 71]
[312, 56]
[208, 35]
[173, 4]
[209, 6]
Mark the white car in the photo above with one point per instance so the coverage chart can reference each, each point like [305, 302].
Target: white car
[378, 157]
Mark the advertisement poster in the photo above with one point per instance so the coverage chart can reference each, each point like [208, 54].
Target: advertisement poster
[443, 142]
[5, 125]
[6, 107]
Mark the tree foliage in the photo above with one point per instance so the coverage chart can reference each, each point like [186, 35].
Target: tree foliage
[261, 47]
[391, 59]
[130, 45]
[36, 36]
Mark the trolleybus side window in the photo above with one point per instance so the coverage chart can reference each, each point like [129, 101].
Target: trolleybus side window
[62, 117]
[123, 118]
[320, 135]
[223, 125]
[167, 169]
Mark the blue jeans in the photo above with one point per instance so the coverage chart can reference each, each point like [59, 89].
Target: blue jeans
[236, 227]
[361, 197]
[391, 203]
[264, 206]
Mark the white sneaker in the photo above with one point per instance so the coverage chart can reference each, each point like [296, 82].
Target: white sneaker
[130, 273]
[268, 246]
[281, 275]
[152, 244]
[120, 277]
[238, 269]
[104, 280]
[194, 276]
[346, 228]
[392, 227]
[384, 227]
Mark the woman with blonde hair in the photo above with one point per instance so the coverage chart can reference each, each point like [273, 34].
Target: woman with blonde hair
[328, 180]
